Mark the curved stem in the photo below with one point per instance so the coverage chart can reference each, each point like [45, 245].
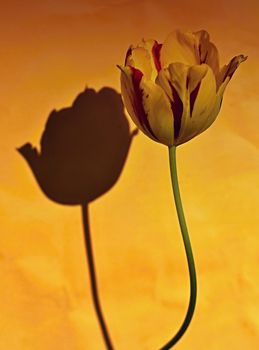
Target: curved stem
[188, 250]
[94, 287]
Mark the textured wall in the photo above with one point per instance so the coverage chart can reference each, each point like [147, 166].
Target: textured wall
[49, 52]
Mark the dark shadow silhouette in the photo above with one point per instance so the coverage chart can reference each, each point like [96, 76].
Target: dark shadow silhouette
[83, 150]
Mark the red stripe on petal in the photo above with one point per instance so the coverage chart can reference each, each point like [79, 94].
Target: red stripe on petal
[177, 108]
[156, 49]
[193, 96]
[138, 101]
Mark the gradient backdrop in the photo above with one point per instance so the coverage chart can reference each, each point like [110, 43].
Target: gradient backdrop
[49, 51]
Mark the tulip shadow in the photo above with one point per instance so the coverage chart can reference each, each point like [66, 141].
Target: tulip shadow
[83, 150]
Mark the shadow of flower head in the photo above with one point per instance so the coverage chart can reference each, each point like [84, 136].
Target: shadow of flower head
[83, 148]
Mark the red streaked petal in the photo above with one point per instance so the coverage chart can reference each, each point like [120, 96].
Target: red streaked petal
[173, 81]
[145, 57]
[232, 66]
[229, 69]
[159, 112]
[203, 101]
[208, 52]
[156, 55]
[195, 75]
[128, 94]
[140, 112]
[193, 96]
[177, 108]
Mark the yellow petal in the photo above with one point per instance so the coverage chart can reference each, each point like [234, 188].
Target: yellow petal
[159, 113]
[208, 52]
[203, 103]
[128, 94]
[140, 59]
[195, 75]
[153, 47]
[173, 81]
[229, 69]
[133, 96]
[215, 111]
[143, 58]
[222, 81]
[179, 47]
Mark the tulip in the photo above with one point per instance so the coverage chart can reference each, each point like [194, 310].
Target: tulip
[173, 92]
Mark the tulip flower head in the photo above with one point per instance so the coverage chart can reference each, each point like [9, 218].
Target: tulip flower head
[173, 91]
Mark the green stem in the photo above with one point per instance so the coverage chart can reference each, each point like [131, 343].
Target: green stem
[188, 250]
[93, 280]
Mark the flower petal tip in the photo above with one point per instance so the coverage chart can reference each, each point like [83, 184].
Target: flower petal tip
[243, 58]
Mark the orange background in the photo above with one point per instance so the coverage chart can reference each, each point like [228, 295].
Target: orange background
[49, 51]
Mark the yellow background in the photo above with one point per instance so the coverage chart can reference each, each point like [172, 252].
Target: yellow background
[49, 51]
